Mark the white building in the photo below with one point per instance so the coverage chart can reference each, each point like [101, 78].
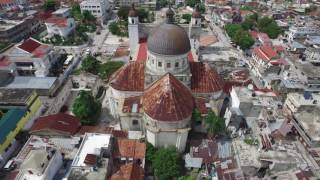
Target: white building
[31, 58]
[60, 26]
[296, 102]
[62, 12]
[40, 164]
[98, 8]
[92, 159]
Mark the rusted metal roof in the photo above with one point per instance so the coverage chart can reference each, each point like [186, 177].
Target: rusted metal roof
[129, 78]
[168, 100]
[129, 148]
[205, 79]
[132, 104]
[130, 171]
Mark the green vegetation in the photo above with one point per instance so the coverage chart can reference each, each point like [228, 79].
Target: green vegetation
[119, 28]
[144, 15]
[247, 8]
[269, 26]
[187, 178]
[251, 141]
[187, 18]
[239, 36]
[76, 12]
[92, 65]
[85, 18]
[150, 151]
[3, 45]
[77, 38]
[50, 5]
[196, 115]
[215, 125]
[162, 3]
[310, 9]
[193, 3]
[86, 108]
[166, 163]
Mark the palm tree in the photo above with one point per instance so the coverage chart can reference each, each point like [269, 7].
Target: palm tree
[215, 125]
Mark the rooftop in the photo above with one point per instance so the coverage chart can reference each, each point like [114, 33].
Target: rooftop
[129, 148]
[62, 124]
[9, 24]
[57, 21]
[14, 96]
[29, 82]
[91, 144]
[61, 11]
[129, 171]
[309, 120]
[9, 122]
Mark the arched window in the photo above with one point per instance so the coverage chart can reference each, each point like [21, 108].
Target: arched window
[176, 64]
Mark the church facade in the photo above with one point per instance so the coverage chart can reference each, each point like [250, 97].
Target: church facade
[158, 96]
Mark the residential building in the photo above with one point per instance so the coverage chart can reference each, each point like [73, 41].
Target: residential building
[13, 30]
[267, 61]
[308, 75]
[297, 102]
[60, 26]
[129, 151]
[303, 27]
[18, 108]
[149, 4]
[11, 4]
[130, 171]
[98, 8]
[32, 58]
[87, 82]
[92, 160]
[312, 55]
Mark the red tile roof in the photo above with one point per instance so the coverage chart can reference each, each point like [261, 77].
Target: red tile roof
[264, 38]
[29, 45]
[95, 129]
[205, 79]
[190, 57]
[131, 171]
[7, 1]
[254, 34]
[41, 16]
[266, 53]
[90, 159]
[129, 102]
[58, 21]
[129, 148]
[130, 77]
[168, 100]
[60, 123]
[121, 51]
[207, 40]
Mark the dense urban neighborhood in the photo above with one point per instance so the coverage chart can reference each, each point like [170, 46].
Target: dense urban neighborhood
[159, 90]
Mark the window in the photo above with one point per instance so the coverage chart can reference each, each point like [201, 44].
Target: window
[135, 122]
[152, 61]
[168, 65]
[177, 64]
[160, 64]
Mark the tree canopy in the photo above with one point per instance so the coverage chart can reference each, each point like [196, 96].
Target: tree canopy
[123, 12]
[90, 64]
[76, 12]
[239, 35]
[166, 163]
[50, 5]
[269, 26]
[187, 178]
[86, 108]
[214, 124]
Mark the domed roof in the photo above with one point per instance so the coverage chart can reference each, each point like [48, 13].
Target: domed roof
[168, 100]
[169, 38]
[133, 12]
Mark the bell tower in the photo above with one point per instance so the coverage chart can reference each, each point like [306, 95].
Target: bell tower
[133, 29]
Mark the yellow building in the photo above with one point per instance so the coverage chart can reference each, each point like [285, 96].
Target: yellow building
[18, 107]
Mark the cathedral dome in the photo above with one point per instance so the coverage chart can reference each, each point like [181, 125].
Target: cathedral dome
[169, 38]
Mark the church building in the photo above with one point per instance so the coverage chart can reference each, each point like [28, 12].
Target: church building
[159, 95]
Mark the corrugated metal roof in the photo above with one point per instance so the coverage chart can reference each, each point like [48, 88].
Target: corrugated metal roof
[9, 121]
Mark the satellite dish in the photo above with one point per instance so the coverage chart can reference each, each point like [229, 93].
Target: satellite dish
[250, 86]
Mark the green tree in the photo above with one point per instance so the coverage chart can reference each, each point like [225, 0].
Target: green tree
[114, 28]
[88, 18]
[247, 24]
[108, 68]
[243, 39]
[192, 3]
[123, 13]
[196, 115]
[50, 5]
[187, 17]
[86, 108]
[166, 163]
[143, 15]
[214, 124]
[150, 151]
[76, 12]
[162, 3]
[90, 64]
[202, 8]
[187, 178]
[232, 29]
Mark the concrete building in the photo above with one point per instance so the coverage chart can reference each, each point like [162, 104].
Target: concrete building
[31, 58]
[18, 108]
[60, 26]
[297, 102]
[304, 26]
[62, 12]
[14, 30]
[86, 82]
[149, 4]
[92, 160]
[98, 8]
[166, 77]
